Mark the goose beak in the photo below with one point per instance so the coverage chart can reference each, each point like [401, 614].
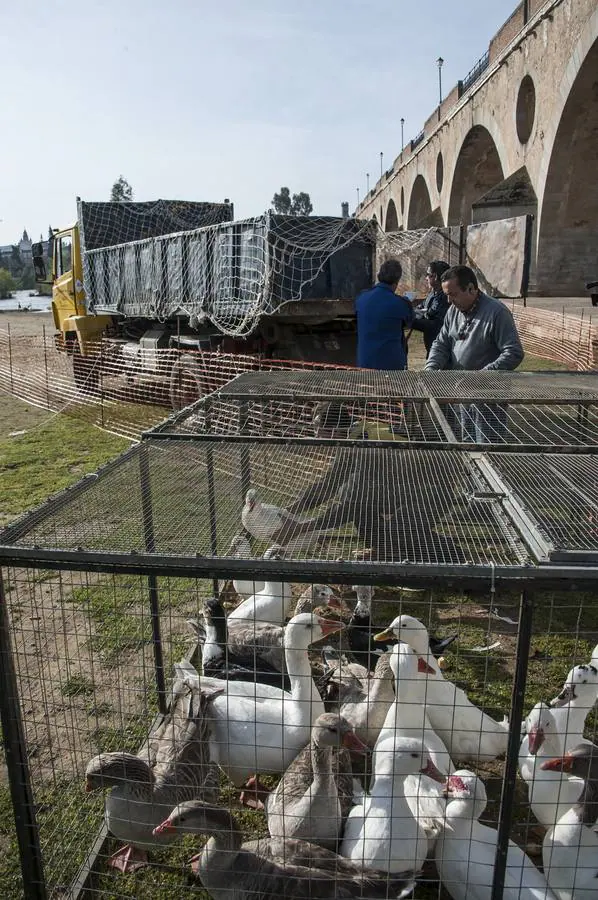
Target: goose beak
[165, 828]
[386, 635]
[355, 744]
[334, 602]
[88, 786]
[560, 764]
[432, 772]
[535, 740]
[566, 696]
[424, 667]
[330, 626]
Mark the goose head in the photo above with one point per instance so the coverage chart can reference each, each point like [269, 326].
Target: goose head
[365, 593]
[307, 628]
[196, 817]
[467, 794]
[240, 548]
[332, 730]
[111, 769]
[401, 757]
[406, 665]
[251, 500]
[409, 630]
[581, 761]
[580, 688]
[317, 595]
[539, 725]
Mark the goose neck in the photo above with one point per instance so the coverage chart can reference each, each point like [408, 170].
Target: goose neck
[299, 672]
[321, 762]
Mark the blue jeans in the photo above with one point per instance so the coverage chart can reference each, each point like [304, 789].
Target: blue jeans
[484, 423]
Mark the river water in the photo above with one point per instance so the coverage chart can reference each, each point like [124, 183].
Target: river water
[22, 300]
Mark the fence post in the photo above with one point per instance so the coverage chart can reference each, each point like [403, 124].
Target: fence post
[150, 546]
[46, 368]
[524, 636]
[13, 736]
[10, 356]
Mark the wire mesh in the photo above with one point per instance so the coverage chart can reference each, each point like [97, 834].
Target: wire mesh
[83, 649]
[415, 506]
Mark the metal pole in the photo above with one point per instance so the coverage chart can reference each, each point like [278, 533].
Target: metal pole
[526, 608]
[10, 355]
[367, 182]
[461, 244]
[15, 749]
[525, 11]
[46, 368]
[150, 546]
[245, 460]
[211, 494]
[402, 134]
[381, 163]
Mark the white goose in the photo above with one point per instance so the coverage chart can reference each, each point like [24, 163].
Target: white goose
[407, 716]
[570, 848]
[259, 728]
[381, 831]
[466, 850]
[571, 707]
[273, 603]
[240, 548]
[263, 520]
[551, 793]
[467, 732]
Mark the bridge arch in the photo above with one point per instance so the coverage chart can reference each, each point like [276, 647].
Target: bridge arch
[420, 205]
[392, 220]
[566, 254]
[478, 169]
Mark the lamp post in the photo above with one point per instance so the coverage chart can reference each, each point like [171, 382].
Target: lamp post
[381, 163]
[402, 133]
[357, 189]
[440, 63]
[367, 182]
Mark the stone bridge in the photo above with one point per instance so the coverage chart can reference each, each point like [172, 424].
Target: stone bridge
[518, 135]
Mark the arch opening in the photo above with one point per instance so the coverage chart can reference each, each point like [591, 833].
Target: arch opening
[569, 219]
[478, 169]
[420, 205]
[392, 220]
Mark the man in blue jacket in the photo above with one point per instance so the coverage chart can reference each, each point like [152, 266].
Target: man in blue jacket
[382, 316]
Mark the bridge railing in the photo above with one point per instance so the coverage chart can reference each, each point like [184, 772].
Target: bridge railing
[474, 73]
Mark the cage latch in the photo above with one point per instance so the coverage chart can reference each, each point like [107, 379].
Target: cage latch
[486, 496]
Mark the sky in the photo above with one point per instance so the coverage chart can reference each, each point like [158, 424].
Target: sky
[200, 100]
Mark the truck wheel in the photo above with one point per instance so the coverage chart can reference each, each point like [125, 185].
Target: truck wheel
[187, 383]
[86, 372]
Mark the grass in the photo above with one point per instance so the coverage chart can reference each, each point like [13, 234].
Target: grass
[53, 452]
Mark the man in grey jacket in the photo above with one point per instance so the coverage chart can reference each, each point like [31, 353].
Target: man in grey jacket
[478, 332]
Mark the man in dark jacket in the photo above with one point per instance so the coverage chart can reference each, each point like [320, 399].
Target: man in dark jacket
[381, 319]
[429, 316]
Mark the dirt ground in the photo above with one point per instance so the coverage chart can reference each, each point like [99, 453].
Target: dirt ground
[27, 322]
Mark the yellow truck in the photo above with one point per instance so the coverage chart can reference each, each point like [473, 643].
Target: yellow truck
[131, 279]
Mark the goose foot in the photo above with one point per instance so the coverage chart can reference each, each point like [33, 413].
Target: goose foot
[254, 793]
[128, 859]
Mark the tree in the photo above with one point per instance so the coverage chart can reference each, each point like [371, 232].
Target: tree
[301, 205]
[297, 205]
[282, 202]
[122, 192]
[7, 284]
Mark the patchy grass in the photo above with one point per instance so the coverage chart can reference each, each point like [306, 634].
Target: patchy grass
[54, 452]
[78, 685]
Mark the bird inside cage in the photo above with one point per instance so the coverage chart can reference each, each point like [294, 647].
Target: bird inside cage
[333, 419]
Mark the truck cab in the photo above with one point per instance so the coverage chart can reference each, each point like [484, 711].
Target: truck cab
[76, 328]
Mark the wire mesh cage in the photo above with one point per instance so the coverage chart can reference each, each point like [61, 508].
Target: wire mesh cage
[465, 582]
[517, 410]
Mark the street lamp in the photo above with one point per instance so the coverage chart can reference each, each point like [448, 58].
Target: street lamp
[440, 63]
[357, 189]
[402, 133]
[381, 163]
[367, 182]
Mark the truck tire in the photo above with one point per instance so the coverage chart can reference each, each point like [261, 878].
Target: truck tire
[187, 382]
[86, 372]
